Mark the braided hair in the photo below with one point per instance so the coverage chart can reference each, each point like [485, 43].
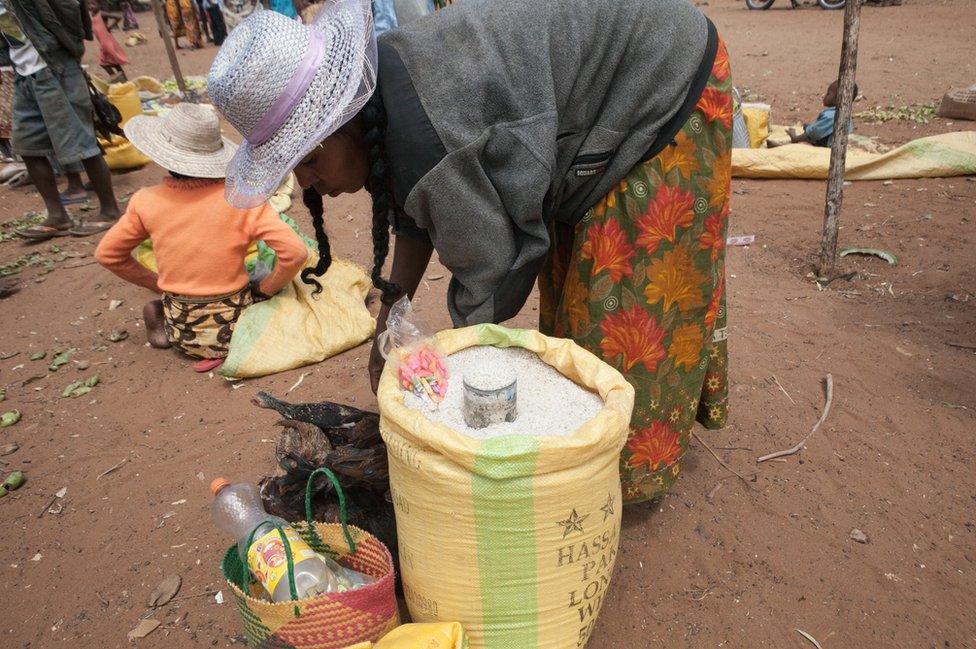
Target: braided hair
[373, 119]
[313, 202]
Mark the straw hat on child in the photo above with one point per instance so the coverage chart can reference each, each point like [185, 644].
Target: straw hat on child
[186, 140]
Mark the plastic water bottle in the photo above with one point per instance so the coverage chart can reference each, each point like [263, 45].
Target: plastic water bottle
[237, 510]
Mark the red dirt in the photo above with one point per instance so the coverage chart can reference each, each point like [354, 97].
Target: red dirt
[744, 567]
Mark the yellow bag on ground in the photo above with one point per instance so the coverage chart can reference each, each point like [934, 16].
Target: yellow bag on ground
[121, 155]
[757, 123]
[443, 635]
[514, 537]
[294, 329]
[125, 97]
[936, 156]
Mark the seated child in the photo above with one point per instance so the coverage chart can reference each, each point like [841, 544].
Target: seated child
[820, 132]
[199, 240]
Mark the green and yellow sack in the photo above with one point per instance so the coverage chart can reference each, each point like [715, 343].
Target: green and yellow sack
[514, 537]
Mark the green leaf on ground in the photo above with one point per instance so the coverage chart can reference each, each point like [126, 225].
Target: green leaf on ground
[62, 359]
[9, 418]
[37, 356]
[79, 388]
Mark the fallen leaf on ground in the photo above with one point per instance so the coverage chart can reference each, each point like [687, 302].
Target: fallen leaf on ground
[118, 336]
[871, 252]
[7, 449]
[9, 418]
[165, 591]
[79, 388]
[144, 628]
[61, 359]
[114, 304]
[62, 492]
[36, 356]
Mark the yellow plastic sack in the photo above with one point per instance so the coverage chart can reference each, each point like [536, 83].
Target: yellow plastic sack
[514, 537]
[294, 329]
[757, 123]
[125, 97]
[149, 84]
[421, 636]
[937, 156]
[121, 155]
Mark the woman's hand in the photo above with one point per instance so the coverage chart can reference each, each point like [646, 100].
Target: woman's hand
[376, 360]
[410, 259]
[376, 365]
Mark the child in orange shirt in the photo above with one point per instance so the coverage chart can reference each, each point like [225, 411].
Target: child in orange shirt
[199, 240]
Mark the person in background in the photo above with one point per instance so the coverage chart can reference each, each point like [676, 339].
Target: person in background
[820, 132]
[112, 57]
[52, 109]
[284, 7]
[199, 241]
[213, 16]
[204, 21]
[236, 10]
[183, 21]
[129, 21]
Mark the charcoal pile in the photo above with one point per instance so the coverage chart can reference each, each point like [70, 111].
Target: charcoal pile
[345, 440]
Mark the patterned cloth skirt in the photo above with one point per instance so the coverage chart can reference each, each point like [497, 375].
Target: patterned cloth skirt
[640, 282]
[202, 326]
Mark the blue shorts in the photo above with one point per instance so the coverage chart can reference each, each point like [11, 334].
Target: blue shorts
[52, 115]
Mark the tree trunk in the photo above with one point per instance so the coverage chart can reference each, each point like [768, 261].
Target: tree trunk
[838, 150]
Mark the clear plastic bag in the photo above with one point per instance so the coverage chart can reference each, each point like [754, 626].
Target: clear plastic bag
[409, 343]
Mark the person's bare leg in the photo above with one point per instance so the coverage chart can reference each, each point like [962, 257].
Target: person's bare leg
[152, 314]
[101, 179]
[75, 188]
[42, 176]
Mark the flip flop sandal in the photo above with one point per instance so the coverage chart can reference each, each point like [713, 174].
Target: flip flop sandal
[19, 179]
[207, 364]
[42, 233]
[88, 229]
[73, 200]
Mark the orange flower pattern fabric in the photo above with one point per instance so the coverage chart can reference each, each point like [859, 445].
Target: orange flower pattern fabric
[640, 282]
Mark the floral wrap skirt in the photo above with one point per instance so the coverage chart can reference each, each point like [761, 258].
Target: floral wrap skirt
[640, 282]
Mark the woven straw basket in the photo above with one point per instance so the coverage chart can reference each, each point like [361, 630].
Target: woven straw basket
[332, 621]
[959, 103]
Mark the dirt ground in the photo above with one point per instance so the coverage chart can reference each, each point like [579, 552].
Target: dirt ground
[719, 562]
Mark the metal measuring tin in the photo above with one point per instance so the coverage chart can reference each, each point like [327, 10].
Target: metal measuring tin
[486, 404]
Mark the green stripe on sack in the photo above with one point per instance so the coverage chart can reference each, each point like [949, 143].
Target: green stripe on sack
[247, 331]
[504, 516]
[961, 161]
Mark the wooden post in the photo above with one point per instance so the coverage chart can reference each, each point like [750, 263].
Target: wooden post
[163, 26]
[838, 149]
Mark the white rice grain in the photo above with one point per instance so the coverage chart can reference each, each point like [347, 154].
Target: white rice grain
[548, 402]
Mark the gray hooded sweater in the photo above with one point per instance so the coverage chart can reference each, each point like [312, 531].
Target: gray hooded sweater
[505, 115]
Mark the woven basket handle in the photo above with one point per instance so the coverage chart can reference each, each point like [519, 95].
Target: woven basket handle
[343, 515]
[288, 557]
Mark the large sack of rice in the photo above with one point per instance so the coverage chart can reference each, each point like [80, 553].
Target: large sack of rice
[513, 535]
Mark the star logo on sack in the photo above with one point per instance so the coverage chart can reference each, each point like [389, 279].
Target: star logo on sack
[572, 524]
[608, 508]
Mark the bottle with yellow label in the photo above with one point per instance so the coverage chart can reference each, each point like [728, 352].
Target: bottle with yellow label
[237, 510]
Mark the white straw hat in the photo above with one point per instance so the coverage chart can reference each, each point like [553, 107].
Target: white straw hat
[286, 87]
[186, 140]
